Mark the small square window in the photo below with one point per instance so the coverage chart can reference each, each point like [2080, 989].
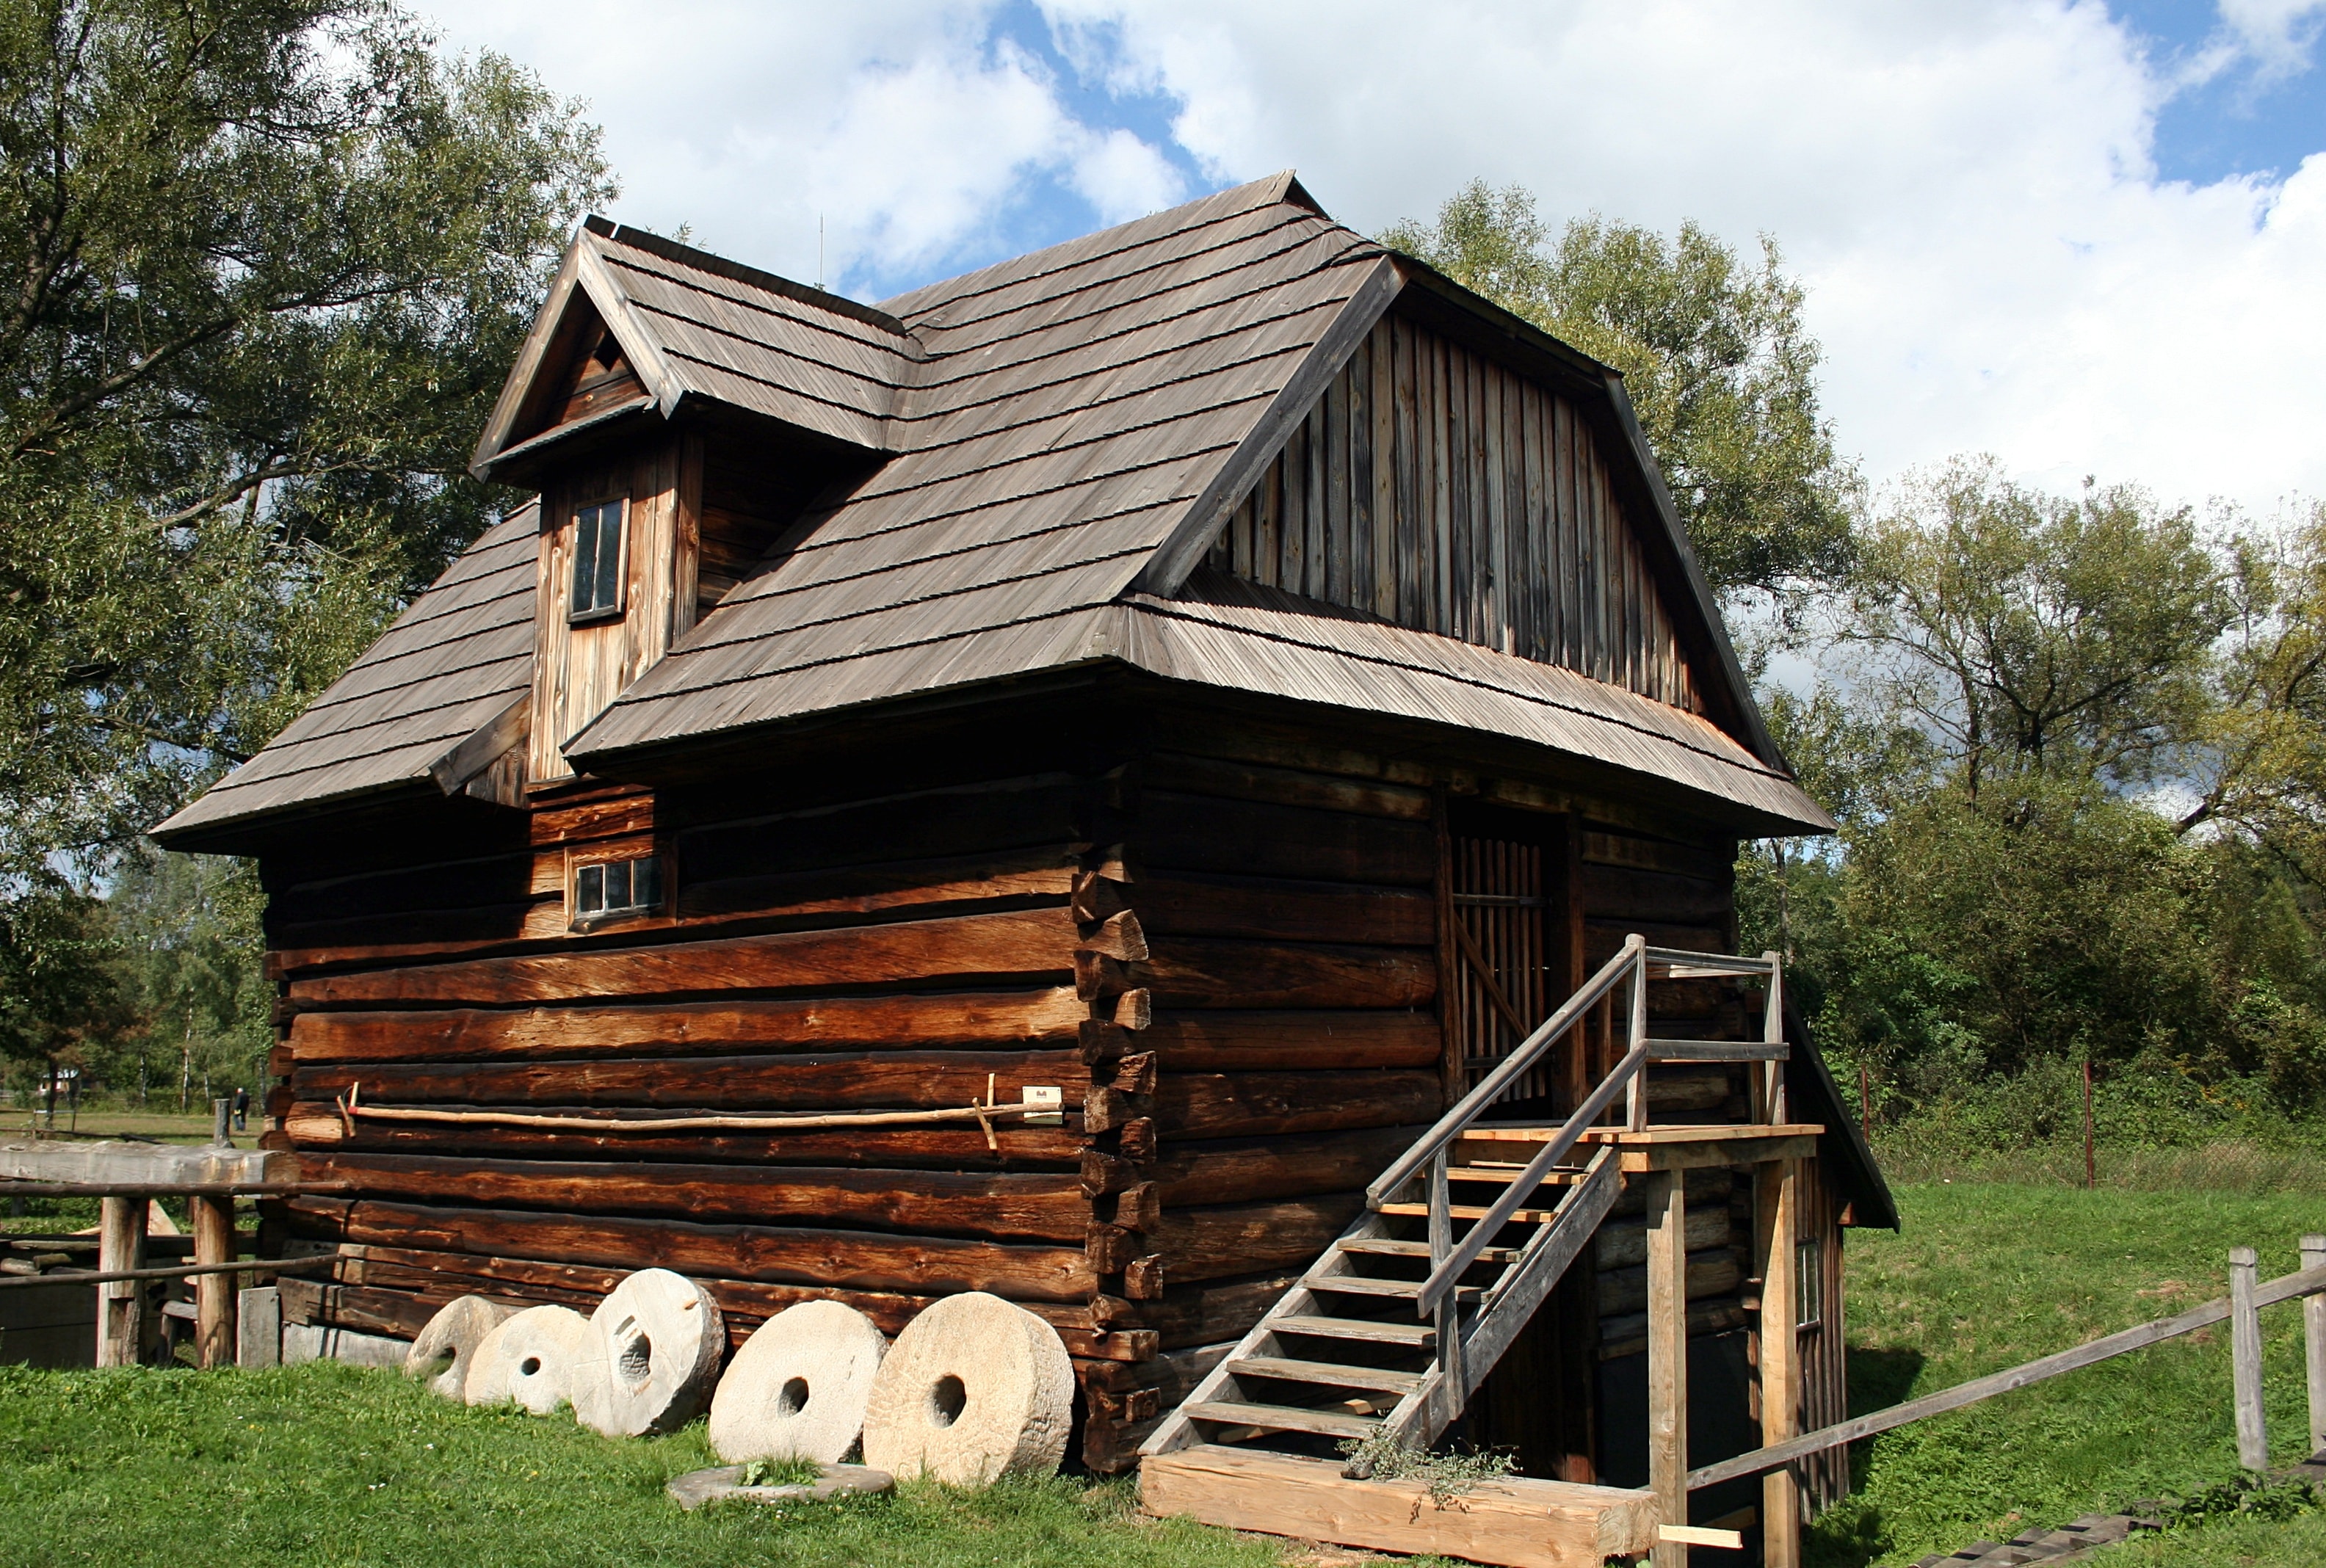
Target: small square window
[597, 561]
[608, 888]
[1808, 1262]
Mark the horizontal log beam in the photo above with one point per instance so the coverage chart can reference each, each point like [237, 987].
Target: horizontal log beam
[1029, 943]
[972, 1020]
[848, 1259]
[1038, 1207]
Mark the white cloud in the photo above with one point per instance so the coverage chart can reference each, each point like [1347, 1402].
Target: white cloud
[1969, 189]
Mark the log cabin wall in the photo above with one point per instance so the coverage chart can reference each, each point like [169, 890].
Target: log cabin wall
[1442, 491]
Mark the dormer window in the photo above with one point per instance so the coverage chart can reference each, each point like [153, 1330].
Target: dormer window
[598, 537]
[605, 889]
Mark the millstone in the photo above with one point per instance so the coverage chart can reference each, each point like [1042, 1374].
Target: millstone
[797, 1388]
[442, 1351]
[973, 1389]
[651, 1357]
[528, 1359]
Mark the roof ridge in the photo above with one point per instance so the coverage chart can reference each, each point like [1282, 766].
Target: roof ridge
[1235, 199]
[726, 267]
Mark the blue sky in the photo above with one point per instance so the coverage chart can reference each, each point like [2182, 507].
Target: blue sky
[2027, 227]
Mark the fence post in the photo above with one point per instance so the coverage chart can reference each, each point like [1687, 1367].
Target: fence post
[221, 1122]
[2091, 1167]
[2245, 1359]
[2313, 1335]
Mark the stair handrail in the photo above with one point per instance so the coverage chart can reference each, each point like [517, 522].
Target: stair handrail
[1445, 1272]
[1489, 1089]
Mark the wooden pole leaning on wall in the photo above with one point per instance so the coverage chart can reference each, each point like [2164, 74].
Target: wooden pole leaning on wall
[2245, 1359]
[214, 1294]
[120, 1247]
[1776, 1224]
[2313, 1338]
[1667, 1355]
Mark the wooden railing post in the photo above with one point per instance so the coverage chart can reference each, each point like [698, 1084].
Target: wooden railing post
[1451, 1389]
[1667, 1355]
[214, 1294]
[1636, 1092]
[1776, 1220]
[120, 1306]
[2245, 1359]
[1773, 1033]
[2313, 1337]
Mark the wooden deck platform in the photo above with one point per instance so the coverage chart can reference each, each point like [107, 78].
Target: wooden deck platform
[1657, 1149]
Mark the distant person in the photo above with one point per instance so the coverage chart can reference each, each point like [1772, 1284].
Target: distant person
[241, 1108]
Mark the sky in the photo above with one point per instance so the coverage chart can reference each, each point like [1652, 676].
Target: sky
[2088, 239]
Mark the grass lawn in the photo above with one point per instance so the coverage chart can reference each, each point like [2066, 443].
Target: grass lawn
[1987, 1275]
[323, 1465]
[328, 1465]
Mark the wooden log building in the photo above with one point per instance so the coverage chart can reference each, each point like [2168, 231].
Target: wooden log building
[1218, 677]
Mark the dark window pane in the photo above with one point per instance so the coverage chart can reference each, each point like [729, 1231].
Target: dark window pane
[589, 890]
[585, 559]
[609, 556]
[646, 884]
[618, 884]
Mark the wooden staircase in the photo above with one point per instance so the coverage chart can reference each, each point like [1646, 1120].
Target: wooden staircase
[1393, 1329]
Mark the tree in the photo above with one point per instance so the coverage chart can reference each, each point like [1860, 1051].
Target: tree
[2026, 633]
[266, 264]
[1718, 365]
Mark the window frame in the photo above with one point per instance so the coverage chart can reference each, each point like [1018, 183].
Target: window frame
[575, 615]
[579, 919]
[1809, 1282]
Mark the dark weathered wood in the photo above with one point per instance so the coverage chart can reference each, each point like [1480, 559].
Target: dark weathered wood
[1188, 774]
[999, 814]
[852, 1259]
[986, 1019]
[1204, 833]
[1206, 972]
[1040, 873]
[1216, 1243]
[1192, 905]
[1242, 1105]
[744, 1302]
[1033, 943]
[1031, 1206]
[869, 1079]
[214, 1243]
[1621, 893]
[1279, 1165]
[1222, 1040]
[315, 1125]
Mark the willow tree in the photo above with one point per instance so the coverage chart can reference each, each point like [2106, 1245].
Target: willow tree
[262, 264]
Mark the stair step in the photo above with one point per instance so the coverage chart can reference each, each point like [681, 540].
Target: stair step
[1382, 1246]
[1330, 1374]
[1419, 1336]
[1464, 1211]
[1284, 1418]
[1358, 1285]
[1557, 1176]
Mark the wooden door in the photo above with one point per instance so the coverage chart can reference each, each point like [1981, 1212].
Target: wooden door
[1502, 957]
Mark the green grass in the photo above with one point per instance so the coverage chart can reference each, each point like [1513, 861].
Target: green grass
[323, 1465]
[1985, 1276]
[328, 1465]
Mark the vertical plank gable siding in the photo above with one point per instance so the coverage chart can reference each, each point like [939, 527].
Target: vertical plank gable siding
[1437, 489]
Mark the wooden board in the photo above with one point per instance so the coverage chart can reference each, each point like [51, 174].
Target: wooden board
[1516, 1521]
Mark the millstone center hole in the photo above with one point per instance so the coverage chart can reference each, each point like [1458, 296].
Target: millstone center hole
[636, 1362]
[946, 1401]
[792, 1398]
[529, 1368]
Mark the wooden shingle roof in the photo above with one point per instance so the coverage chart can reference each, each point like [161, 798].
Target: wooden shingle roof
[1060, 433]
[424, 706]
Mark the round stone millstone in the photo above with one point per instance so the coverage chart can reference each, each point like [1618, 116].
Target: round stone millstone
[528, 1359]
[441, 1353]
[973, 1389]
[651, 1357]
[798, 1386]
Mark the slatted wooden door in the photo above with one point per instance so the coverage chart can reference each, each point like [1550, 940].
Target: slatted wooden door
[1506, 967]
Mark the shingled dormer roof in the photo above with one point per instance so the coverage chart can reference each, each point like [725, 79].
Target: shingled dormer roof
[1060, 437]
